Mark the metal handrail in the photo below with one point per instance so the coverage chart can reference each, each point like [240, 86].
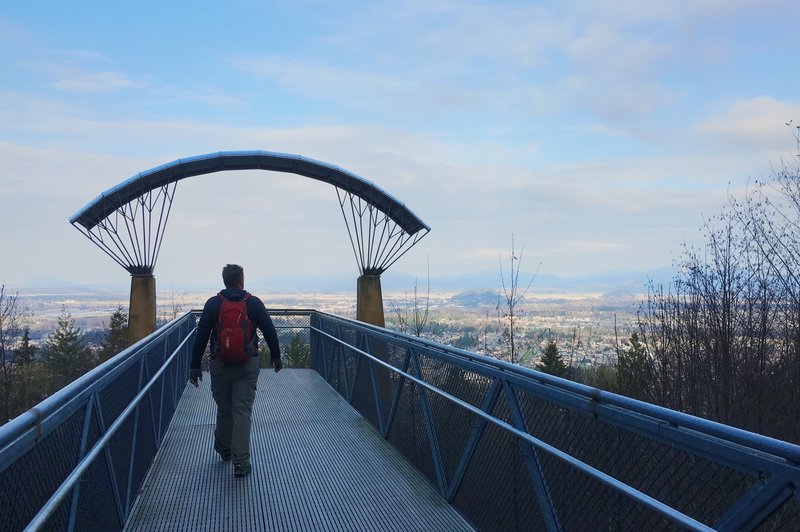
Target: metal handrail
[87, 397]
[66, 487]
[772, 466]
[38, 416]
[779, 448]
[656, 505]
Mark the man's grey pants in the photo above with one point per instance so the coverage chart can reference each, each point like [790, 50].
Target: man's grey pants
[234, 390]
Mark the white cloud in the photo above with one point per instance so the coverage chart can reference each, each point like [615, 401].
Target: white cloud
[94, 82]
[63, 177]
[753, 123]
[211, 96]
[461, 58]
[635, 12]
[73, 77]
[598, 128]
[316, 78]
[85, 56]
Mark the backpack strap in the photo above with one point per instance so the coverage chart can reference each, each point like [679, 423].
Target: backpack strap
[246, 296]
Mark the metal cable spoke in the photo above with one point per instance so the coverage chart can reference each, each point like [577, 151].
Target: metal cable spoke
[377, 240]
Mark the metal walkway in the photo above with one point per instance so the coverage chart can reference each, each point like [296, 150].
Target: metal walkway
[317, 464]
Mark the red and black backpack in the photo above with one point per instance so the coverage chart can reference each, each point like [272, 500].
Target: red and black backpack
[235, 341]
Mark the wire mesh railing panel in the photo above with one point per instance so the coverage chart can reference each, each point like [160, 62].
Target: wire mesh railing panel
[154, 359]
[516, 449]
[363, 398]
[349, 335]
[59, 519]
[350, 362]
[60, 470]
[119, 450]
[786, 517]
[387, 383]
[112, 400]
[396, 355]
[690, 483]
[452, 427]
[342, 374]
[96, 500]
[452, 424]
[27, 483]
[583, 503]
[408, 433]
[144, 447]
[496, 492]
[167, 398]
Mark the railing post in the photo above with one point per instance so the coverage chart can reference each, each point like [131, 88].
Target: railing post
[326, 352]
[757, 504]
[375, 394]
[533, 464]
[336, 359]
[362, 344]
[314, 340]
[112, 472]
[475, 433]
[181, 365]
[87, 423]
[396, 399]
[134, 440]
[161, 397]
[342, 363]
[428, 420]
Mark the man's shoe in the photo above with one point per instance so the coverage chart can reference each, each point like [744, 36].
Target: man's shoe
[225, 455]
[241, 470]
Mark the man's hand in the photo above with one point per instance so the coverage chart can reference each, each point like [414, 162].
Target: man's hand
[278, 365]
[195, 376]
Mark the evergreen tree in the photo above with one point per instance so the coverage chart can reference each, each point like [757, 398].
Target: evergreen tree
[66, 354]
[116, 338]
[552, 362]
[30, 379]
[26, 352]
[633, 369]
[298, 354]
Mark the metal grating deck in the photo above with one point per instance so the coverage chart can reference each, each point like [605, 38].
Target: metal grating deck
[317, 465]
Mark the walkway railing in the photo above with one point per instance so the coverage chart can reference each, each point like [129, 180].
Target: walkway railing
[511, 448]
[514, 448]
[76, 460]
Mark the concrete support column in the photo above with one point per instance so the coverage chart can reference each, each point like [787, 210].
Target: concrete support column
[142, 309]
[369, 300]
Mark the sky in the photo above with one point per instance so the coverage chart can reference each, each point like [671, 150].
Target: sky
[600, 134]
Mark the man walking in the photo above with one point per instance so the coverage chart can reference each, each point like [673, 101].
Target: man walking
[233, 383]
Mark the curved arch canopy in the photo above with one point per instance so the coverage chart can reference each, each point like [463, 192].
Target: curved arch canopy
[127, 221]
[110, 200]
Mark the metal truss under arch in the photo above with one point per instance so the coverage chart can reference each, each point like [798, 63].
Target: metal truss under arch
[128, 220]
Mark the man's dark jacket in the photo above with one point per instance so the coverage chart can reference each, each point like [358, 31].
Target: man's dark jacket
[257, 313]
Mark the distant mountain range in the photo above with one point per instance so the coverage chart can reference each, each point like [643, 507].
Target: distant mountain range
[607, 283]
